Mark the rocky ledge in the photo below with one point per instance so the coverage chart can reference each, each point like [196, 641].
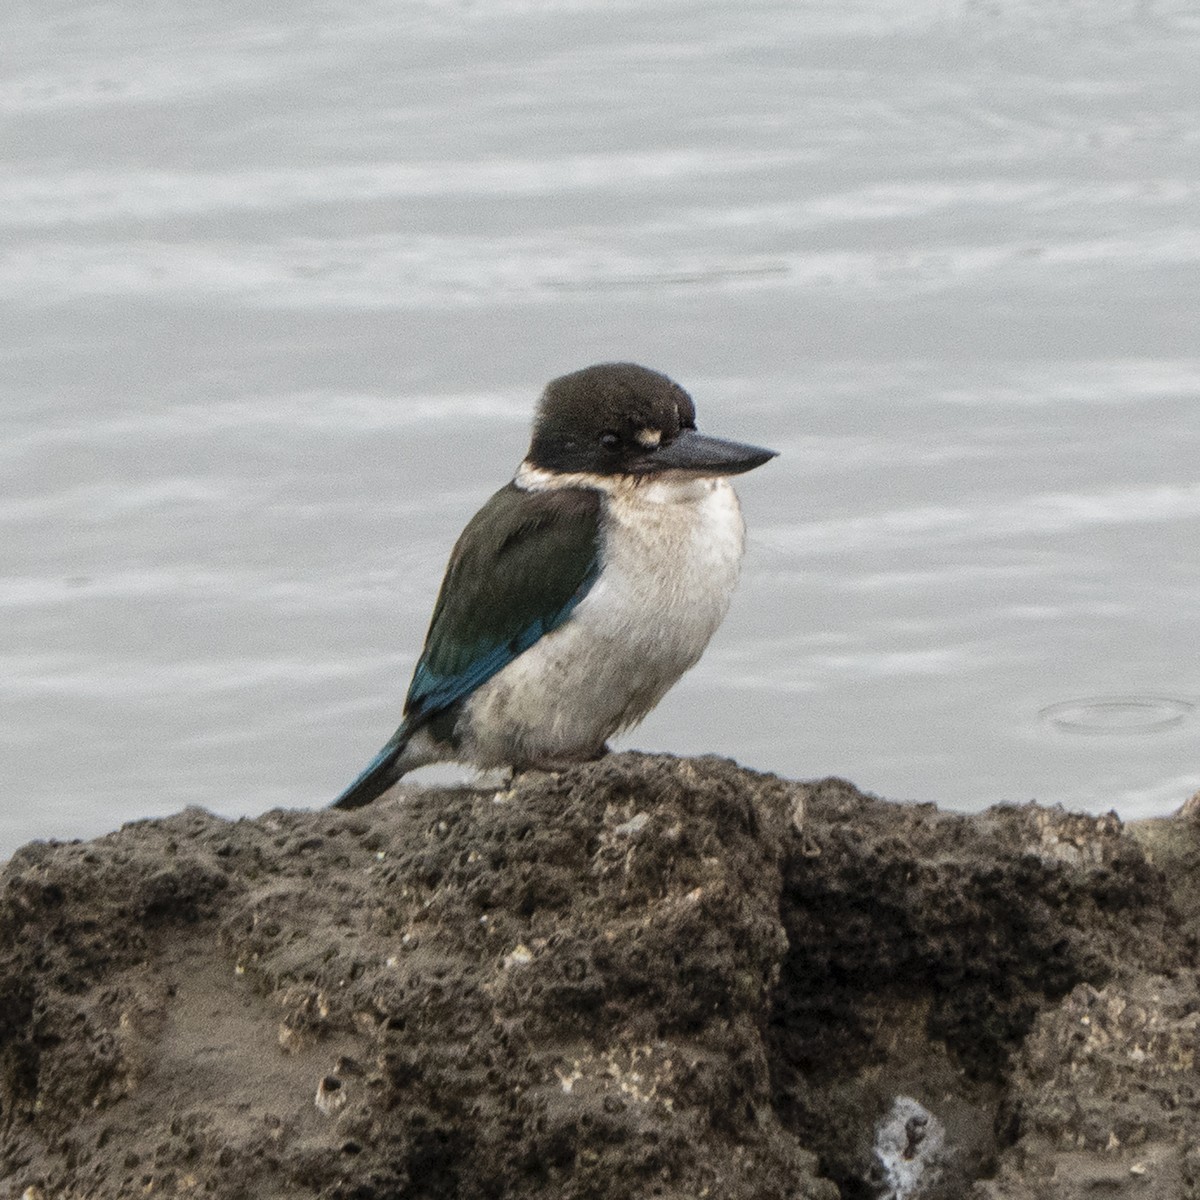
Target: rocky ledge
[645, 977]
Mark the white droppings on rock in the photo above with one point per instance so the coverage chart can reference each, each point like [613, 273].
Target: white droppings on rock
[909, 1150]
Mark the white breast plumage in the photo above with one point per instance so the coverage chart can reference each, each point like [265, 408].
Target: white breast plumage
[672, 553]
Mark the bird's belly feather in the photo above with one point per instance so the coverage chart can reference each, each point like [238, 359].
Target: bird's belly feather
[671, 559]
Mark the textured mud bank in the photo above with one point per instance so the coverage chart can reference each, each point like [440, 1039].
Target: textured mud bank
[646, 977]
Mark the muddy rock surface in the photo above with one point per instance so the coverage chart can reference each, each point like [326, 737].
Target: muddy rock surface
[645, 977]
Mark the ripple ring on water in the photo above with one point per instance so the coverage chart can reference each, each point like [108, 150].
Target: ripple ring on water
[1118, 714]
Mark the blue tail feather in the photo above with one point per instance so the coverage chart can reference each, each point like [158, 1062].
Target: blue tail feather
[380, 773]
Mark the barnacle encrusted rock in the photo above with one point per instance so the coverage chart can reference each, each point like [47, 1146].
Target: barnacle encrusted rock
[644, 977]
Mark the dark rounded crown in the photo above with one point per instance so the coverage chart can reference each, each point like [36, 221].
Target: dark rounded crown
[599, 419]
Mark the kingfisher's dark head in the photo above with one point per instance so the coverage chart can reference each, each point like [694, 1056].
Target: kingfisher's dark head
[622, 419]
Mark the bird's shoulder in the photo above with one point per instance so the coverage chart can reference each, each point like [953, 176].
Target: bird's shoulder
[518, 569]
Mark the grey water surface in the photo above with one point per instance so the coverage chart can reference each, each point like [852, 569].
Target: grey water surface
[279, 286]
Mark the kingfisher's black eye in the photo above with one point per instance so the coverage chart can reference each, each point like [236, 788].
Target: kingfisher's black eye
[610, 440]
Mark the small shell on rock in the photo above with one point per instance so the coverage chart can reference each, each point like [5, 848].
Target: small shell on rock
[331, 1095]
[519, 956]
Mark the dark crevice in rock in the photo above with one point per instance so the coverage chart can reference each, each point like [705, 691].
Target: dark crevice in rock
[922, 948]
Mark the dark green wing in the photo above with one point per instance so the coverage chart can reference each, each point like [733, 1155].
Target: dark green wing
[522, 564]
